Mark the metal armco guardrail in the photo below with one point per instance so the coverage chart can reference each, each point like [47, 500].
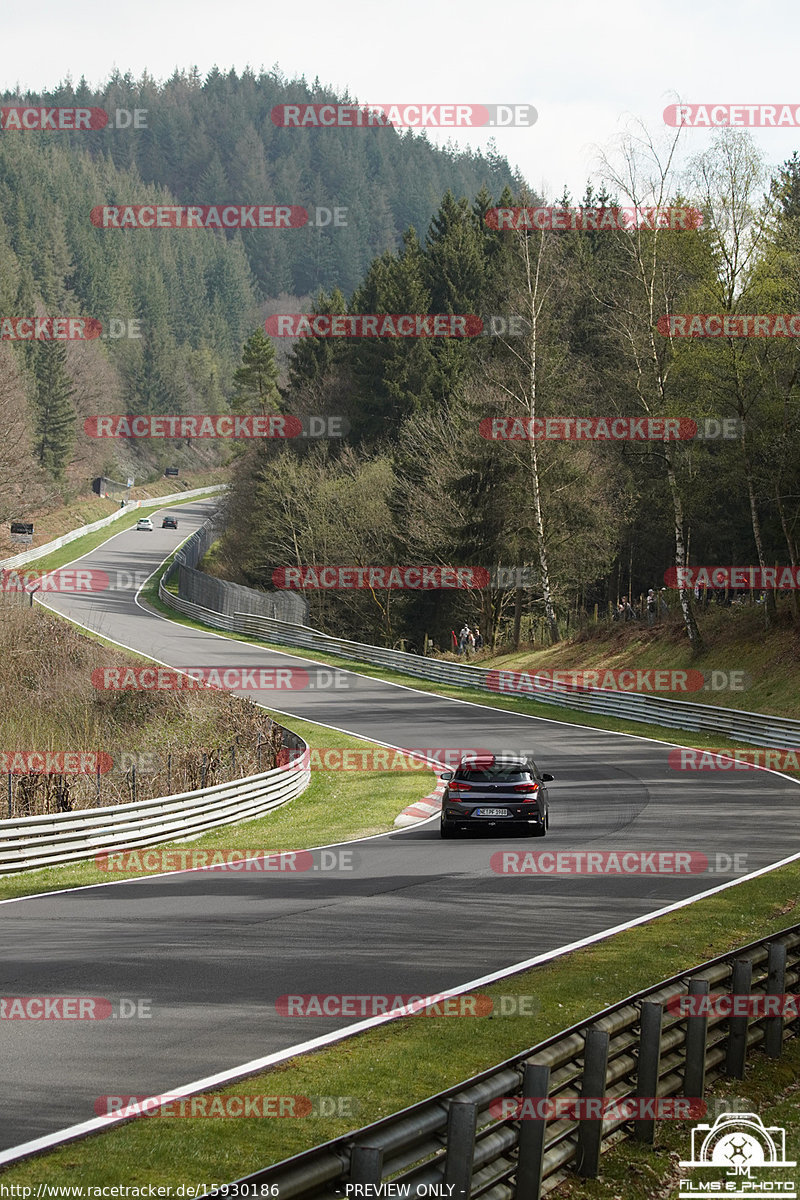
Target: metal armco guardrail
[637, 1048]
[41, 551]
[45, 841]
[758, 729]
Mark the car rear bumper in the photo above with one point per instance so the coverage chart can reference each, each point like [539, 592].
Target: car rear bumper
[516, 820]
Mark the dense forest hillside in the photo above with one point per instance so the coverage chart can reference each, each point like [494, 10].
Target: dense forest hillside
[212, 141]
[176, 306]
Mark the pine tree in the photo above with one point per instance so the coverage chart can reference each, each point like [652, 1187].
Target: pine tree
[54, 412]
[313, 357]
[256, 379]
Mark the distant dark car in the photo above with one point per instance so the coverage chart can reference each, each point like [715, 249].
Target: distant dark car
[492, 791]
[169, 523]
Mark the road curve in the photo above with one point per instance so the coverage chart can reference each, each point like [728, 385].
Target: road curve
[212, 952]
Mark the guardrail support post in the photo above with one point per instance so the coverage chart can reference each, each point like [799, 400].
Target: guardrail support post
[366, 1164]
[776, 986]
[593, 1086]
[694, 1075]
[462, 1120]
[650, 1020]
[535, 1086]
[741, 983]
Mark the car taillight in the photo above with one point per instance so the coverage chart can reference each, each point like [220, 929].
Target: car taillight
[454, 786]
[530, 789]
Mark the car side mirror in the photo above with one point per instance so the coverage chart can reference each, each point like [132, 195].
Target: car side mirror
[547, 778]
[446, 775]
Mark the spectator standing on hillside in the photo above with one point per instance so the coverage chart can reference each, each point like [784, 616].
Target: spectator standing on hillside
[478, 639]
[651, 607]
[663, 602]
[463, 639]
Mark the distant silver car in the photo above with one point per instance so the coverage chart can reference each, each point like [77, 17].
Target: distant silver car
[488, 791]
[144, 523]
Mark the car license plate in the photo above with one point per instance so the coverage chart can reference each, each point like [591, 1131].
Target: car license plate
[491, 812]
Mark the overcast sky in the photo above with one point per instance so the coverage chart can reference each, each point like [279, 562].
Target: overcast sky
[586, 67]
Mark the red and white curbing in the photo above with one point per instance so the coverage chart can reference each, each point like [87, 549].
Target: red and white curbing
[421, 810]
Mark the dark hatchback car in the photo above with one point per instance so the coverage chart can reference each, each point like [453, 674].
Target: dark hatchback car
[169, 523]
[491, 791]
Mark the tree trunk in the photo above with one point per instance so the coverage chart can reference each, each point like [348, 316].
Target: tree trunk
[791, 548]
[541, 546]
[684, 594]
[517, 617]
[769, 593]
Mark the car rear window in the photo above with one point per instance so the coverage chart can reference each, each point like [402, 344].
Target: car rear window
[493, 775]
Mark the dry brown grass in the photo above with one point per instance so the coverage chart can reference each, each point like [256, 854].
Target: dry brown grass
[48, 703]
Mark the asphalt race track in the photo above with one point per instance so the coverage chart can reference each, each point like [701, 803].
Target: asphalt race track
[212, 951]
